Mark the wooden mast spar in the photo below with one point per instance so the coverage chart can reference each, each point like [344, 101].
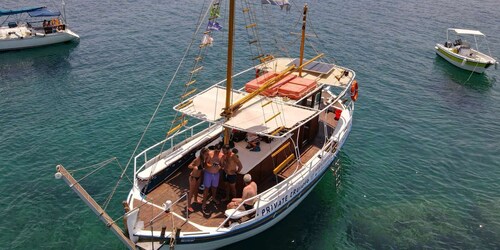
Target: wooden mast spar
[96, 208]
[302, 42]
[229, 69]
[231, 108]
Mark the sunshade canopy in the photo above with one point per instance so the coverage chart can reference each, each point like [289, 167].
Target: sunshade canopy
[4, 12]
[252, 116]
[43, 12]
[467, 32]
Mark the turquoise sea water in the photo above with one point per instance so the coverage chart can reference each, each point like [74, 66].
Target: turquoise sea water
[421, 167]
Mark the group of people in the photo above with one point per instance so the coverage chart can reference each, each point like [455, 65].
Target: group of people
[208, 166]
[51, 23]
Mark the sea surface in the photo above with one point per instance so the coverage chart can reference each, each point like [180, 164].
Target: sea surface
[421, 168]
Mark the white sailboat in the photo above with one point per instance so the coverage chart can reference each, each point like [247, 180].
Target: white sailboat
[43, 27]
[301, 109]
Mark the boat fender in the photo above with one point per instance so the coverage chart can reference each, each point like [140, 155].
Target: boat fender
[338, 112]
[496, 65]
[58, 175]
[464, 61]
[257, 73]
[354, 90]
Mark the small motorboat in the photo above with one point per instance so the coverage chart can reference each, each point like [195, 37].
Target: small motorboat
[461, 54]
[39, 27]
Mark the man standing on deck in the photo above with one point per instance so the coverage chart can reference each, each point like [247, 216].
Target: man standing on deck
[231, 165]
[211, 176]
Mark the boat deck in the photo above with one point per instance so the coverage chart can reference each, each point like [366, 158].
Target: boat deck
[177, 185]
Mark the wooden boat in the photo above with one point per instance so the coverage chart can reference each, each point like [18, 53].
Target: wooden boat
[303, 111]
[460, 53]
[33, 32]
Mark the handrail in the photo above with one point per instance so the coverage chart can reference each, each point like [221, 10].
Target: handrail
[284, 186]
[278, 191]
[171, 139]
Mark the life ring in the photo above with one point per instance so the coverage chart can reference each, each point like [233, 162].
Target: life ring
[354, 90]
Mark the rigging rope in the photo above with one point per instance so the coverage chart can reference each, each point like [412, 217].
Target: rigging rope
[157, 107]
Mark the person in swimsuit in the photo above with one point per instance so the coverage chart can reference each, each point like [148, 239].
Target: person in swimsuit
[211, 176]
[249, 191]
[195, 176]
[231, 165]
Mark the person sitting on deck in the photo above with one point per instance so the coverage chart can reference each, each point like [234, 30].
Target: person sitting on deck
[253, 142]
[249, 191]
[211, 176]
[195, 176]
[231, 165]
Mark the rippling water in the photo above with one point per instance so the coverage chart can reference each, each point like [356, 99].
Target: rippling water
[420, 169]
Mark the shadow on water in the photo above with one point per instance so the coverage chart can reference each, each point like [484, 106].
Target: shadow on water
[49, 60]
[475, 81]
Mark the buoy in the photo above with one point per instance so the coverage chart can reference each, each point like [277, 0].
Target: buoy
[354, 90]
[58, 175]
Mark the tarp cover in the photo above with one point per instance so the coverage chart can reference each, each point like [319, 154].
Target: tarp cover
[18, 11]
[43, 12]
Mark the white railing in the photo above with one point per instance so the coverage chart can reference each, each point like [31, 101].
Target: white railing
[279, 189]
[308, 169]
[168, 140]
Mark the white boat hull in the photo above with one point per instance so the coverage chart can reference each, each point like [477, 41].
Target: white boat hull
[466, 63]
[37, 40]
[250, 233]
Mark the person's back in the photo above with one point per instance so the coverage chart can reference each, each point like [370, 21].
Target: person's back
[249, 191]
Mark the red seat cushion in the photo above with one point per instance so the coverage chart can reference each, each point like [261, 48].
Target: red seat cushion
[296, 88]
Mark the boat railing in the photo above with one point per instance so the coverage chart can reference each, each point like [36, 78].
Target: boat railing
[145, 161]
[270, 195]
[284, 187]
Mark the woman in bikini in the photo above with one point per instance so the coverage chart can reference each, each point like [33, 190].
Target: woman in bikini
[195, 176]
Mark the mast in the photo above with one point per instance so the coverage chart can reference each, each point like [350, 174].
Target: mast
[229, 69]
[302, 42]
[64, 10]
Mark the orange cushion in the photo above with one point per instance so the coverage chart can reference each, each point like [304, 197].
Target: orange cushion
[296, 88]
[256, 83]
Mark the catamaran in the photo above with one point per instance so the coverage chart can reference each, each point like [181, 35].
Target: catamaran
[301, 108]
[460, 53]
[43, 27]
